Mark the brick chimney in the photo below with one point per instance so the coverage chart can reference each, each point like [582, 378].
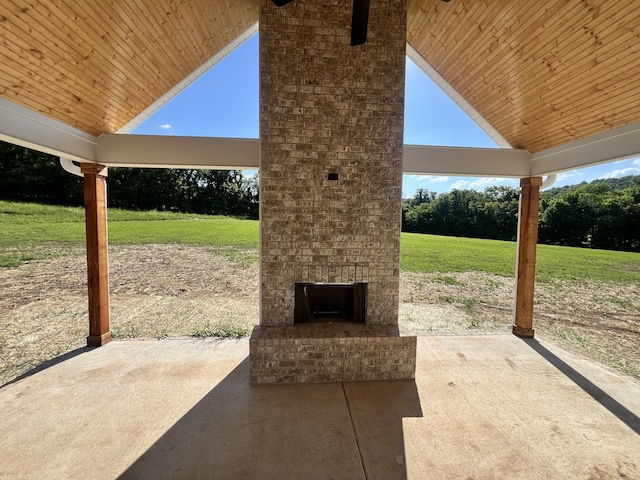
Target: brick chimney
[331, 131]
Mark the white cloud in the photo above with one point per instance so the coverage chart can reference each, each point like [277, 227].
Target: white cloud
[566, 175]
[621, 173]
[460, 184]
[165, 126]
[433, 179]
[485, 182]
[637, 162]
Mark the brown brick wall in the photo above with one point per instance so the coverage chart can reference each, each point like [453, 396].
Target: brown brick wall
[327, 107]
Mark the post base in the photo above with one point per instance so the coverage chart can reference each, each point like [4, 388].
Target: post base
[522, 332]
[99, 340]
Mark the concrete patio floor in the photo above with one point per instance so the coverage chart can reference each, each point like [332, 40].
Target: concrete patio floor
[480, 407]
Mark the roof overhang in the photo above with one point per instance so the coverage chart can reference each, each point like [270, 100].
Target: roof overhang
[531, 77]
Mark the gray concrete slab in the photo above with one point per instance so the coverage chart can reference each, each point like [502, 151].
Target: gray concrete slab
[480, 407]
[502, 407]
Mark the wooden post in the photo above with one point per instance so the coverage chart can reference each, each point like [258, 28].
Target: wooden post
[526, 260]
[95, 205]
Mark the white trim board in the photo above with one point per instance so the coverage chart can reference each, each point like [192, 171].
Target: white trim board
[617, 144]
[465, 161]
[28, 128]
[237, 153]
[157, 151]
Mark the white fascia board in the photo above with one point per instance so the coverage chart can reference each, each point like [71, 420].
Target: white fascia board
[157, 151]
[458, 99]
[31, 129]
[189, 79]
[466, 161]
[616, 144]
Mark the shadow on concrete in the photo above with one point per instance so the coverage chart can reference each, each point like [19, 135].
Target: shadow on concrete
[50, 363]
[283, 432]
[377, 410]
[599, 395]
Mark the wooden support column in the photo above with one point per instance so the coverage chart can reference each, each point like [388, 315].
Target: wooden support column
[526, 260]
[95, 205]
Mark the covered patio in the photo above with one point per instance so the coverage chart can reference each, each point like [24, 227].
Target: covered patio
[556, 87]
[480, 407]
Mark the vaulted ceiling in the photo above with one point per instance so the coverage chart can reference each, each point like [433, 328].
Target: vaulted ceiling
[543, 74]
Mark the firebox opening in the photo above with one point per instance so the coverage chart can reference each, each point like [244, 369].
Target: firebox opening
[330, 302]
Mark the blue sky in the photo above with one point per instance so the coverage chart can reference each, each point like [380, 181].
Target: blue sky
[224, 103]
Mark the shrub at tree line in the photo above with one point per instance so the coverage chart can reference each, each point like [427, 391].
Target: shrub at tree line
[601, 214]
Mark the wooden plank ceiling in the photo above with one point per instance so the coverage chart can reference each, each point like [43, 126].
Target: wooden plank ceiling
[95, 65]
[542, 73]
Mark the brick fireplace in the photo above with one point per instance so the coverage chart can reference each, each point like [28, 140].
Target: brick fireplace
[331, 128]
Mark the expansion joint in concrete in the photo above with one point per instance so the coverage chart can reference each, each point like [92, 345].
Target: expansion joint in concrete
[355, 433]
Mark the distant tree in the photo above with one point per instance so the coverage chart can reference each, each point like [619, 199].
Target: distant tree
[500, 213]
[253, 187]
[146, 189]
[453, 213]
[570, 218]
[601, 214]
[618, 223]
[415, 211]
[211, 192]
[31, 176]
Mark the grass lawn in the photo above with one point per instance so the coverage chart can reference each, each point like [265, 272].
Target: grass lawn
[26, 229]
[431, 253]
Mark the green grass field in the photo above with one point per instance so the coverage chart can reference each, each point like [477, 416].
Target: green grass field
[26, 230]
[431, 253]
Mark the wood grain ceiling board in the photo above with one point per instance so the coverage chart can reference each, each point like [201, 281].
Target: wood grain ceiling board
[541, 73]
[96, 65]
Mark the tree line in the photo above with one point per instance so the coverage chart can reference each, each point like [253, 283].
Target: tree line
[602, 214]
[28, 175]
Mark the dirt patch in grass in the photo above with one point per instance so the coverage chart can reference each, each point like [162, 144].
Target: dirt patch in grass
[598, 320]
[160, 291]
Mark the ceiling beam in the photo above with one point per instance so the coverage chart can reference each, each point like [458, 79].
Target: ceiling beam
[157, 151]
[238, 153]
[27, 128]
[616, 144]
[466, 161]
